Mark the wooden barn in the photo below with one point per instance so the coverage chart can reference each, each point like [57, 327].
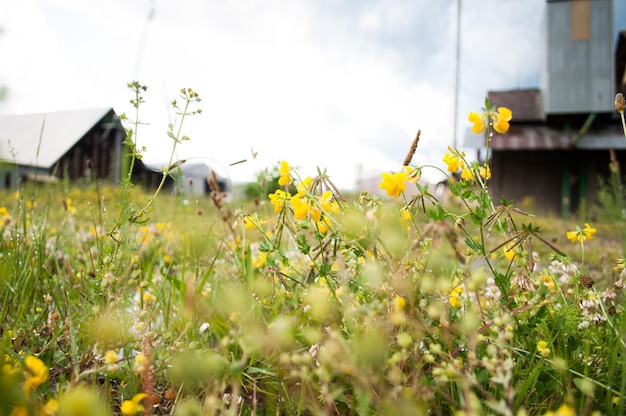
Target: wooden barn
[83, 144]
[563, 134]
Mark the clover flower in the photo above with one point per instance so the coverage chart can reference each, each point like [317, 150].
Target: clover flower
[498, 119]
[580, 235]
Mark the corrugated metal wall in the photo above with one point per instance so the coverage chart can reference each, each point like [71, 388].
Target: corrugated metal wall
[579, 57]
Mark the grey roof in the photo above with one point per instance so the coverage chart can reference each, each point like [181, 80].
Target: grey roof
[20, 135]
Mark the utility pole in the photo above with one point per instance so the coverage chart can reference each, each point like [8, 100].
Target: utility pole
[456, 72]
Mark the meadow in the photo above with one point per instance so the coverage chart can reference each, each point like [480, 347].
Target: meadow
[305, 301]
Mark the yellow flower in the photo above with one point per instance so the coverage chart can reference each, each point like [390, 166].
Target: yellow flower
[394, 184]
[50, 408]
[479, 124]
[399, 303]
[278, 199]
[247, 223]
[300, 207]
[466, 174]
[542, 348]
[564, 410]
[19, 411]
[130, 407]
[453, 160]
[501, 120]
[285, 174]
[579, 235]
[37, 373]
[327, 204]
[413, 175]
[304, 186]
[484, 172]
[323, 225]
[141, 362]
[110, 360]
[508, 251]
[455, 297]
[67, 204]
[548, 282]
[259, 261]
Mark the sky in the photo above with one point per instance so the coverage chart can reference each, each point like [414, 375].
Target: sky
[320, 83]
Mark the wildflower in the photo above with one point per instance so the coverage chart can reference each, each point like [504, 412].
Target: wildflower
[455, 299]
[67, 204]
[394, 184]
[4, 214]
[564, 410]
[499, 118]
[304, 185]
[479, 124]
[50, 408]
[484, 171]
[406, 217]
[580, 235]
[542, 348]
[148, 298]
[260, 260]
[523, 281]
[413, 175]
[110, 360]
[509, 252]
[300, 207]
[37, 373]
[467, 174]
[141, 362]
[130, 407]
[591, 310]
[399, 303]
[278, 199]
[453, 160]
[547, 281]
[249, 222]
[327, 204]
[323, 225]
[285, 174]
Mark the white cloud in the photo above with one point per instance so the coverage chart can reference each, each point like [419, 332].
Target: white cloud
[318, 83]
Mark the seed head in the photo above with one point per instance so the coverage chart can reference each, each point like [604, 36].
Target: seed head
[619, 102]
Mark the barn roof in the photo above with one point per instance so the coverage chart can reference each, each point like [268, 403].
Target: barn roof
[42, 139]
[524, 103]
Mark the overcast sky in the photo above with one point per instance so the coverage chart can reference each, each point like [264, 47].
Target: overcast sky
[315, 82]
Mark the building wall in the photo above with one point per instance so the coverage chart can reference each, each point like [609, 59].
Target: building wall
[528, 177]
[578, 77]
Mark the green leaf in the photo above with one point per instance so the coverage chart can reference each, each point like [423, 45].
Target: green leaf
[474, 245]
[303, 245]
